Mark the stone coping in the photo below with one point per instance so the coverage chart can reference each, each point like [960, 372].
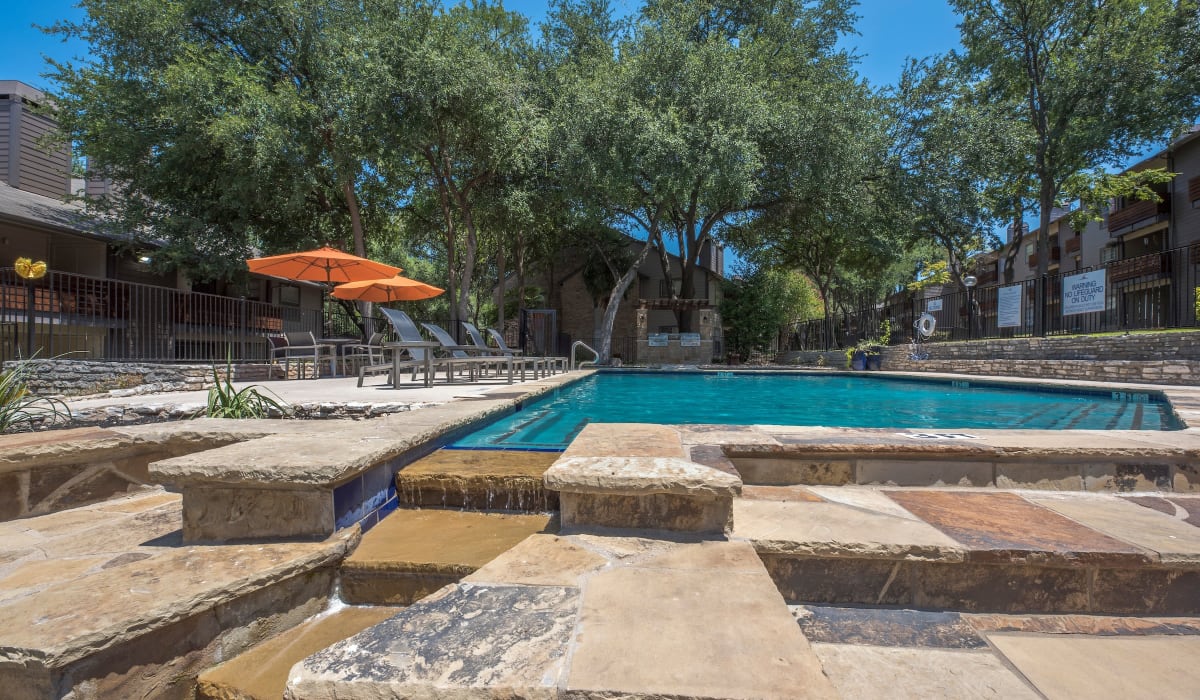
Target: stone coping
[636, 476]
[326, 456]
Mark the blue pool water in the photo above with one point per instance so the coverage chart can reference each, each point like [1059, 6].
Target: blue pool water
[850, 401]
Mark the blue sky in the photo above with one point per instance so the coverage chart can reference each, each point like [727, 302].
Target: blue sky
[889, 32]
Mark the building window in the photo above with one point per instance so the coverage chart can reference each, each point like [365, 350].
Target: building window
[289, 295]
[1109, 254]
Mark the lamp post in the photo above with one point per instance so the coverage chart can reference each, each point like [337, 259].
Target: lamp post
[29, 271]
[969, 282]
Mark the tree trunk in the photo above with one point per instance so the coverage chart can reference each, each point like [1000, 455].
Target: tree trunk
[614, 298]
[360, 249]
[1043, 252]
[500, 283]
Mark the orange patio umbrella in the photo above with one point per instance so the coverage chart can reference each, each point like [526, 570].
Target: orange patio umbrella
[328, 265]
[384, 290]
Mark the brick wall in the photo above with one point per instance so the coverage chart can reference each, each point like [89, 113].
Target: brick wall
[1156, 358]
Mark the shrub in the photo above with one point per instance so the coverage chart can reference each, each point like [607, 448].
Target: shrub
[226, 402]
[22, 410]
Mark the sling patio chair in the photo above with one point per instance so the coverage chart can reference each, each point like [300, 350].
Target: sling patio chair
[411, 351]
[541, 368]
[302, 348]
[469, 355]
[553, 364]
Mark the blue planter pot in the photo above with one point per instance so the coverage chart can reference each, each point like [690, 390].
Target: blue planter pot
[858, 361]
[874, 362]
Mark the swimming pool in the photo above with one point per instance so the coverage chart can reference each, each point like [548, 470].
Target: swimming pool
[776, 398]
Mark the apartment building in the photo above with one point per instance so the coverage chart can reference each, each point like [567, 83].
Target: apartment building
[1150, 251]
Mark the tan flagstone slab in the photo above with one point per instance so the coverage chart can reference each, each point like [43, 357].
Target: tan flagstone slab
[670, 632]
[699, 434]
[1174, 540]
[779, 493]
[66, 621]
[903, 673]
[541, 560]
[634, 476]
[834, 529]
[1069, 666]
[865, 498]
[626, 440]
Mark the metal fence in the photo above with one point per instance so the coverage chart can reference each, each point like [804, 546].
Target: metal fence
[76, 316]
[1158, 290]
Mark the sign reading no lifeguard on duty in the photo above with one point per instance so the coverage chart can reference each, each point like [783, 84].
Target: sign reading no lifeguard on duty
[1083, 293]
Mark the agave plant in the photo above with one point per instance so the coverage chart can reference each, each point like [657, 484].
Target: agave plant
[226, 402]
[21, 409]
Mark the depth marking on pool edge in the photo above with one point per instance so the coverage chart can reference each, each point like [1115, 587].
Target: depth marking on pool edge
[940, 436]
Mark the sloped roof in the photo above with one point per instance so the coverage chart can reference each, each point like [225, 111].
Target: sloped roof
[48, 213]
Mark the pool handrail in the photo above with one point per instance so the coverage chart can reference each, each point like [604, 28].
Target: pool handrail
[593, 361]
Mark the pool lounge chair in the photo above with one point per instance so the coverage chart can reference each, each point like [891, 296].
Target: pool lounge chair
[541, 367]
[553, 364]
[411, 351]
[470, 356]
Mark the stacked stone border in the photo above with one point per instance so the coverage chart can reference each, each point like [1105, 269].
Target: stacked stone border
[1151, 358]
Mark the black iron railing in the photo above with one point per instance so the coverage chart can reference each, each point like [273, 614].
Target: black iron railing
[82, 317]
[1152, 291]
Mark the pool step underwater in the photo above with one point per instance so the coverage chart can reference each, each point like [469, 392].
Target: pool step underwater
[479, 480]
[412, 553]
[261, 673]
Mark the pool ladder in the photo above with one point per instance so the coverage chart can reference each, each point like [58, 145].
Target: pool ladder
[585, 346]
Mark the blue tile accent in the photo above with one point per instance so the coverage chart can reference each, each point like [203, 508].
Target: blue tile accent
[392, 504]
[369, 522]
[348, 502]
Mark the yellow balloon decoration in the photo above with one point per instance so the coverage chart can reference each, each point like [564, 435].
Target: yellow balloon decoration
[29, 269]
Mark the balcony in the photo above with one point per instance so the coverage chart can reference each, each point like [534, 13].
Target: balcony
[986, 277]
[1156, 265]
[1055, 257]
[1137, 215]
[1194, 191]
[1072, 244]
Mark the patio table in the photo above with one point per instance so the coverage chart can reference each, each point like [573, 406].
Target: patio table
[338, 346]
[397, 362]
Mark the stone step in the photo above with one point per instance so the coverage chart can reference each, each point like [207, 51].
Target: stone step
[412, 553]
[585, 615]
[479, 480]
[106, 600]
[261, 673]
[977, 550]
[871, 652]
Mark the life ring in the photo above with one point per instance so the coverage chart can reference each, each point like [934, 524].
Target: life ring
[925, 325]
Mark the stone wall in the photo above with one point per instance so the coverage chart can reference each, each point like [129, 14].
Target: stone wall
[66, 377]
[1155, 358]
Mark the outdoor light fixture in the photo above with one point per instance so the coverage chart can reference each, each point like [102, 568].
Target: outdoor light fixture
[145, 259]
[969, 282]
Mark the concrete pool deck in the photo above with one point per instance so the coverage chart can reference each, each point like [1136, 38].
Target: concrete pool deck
[635, 613]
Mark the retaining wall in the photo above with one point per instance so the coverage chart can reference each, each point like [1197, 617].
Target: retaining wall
[1154, 358]
[83, 377]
